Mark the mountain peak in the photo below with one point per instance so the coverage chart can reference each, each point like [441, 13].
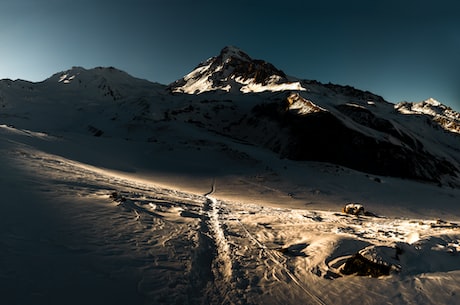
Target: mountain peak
[99, 76]
[234, 70]
[82, 74]
[431, 101]
[242, 65]
[230, 52]
[109, 82]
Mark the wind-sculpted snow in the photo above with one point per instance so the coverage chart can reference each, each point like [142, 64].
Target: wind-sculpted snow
[170, 246]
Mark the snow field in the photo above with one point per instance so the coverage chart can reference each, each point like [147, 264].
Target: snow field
[101, 231]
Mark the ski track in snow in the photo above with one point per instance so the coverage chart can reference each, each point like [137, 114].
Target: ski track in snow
[204, 250]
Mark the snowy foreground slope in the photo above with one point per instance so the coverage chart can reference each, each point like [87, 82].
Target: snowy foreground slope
[74, 232]
[119, 191]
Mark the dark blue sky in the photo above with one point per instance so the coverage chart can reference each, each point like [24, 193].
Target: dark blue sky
[402, 50]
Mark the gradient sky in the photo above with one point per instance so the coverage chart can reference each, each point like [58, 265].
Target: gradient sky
[402, 50]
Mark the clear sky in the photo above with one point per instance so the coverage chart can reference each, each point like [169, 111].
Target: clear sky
[400, 49]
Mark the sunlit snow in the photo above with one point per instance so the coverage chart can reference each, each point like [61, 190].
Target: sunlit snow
[165, 244]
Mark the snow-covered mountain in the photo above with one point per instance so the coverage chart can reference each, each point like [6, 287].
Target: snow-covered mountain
[233, 70]
[307, 120]
[444, 116]
[226, 187]
[78, 100]
[250, 100]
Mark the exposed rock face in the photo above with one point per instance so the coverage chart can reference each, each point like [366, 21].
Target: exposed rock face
[246, 68]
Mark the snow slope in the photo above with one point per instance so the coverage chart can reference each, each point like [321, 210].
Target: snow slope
[74, 232]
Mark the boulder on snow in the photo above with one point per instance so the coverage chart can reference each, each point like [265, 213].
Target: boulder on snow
[359, 265]
[374, 261]
[353, 208]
